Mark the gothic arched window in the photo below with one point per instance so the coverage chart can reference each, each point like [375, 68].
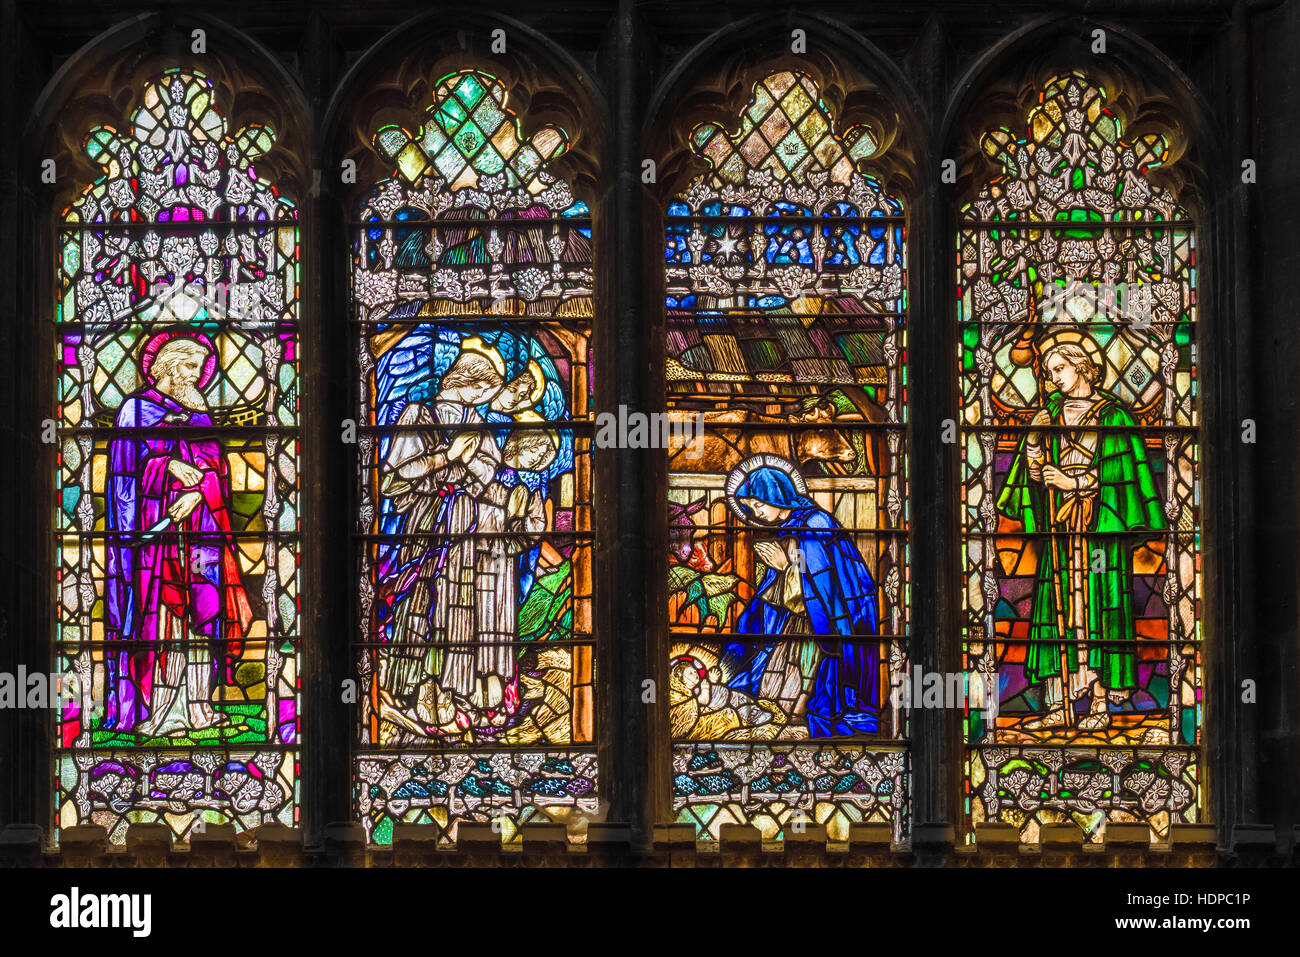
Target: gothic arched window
[178, 499]
[787, 568]
[1081, 517]
[472, 306]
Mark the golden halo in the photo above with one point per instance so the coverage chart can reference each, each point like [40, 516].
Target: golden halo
[762, 460]
[539, 382]
[475, 344]
[1075, 338]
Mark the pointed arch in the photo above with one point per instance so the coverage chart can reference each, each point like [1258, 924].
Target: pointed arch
[1079, 304]
[99, 82]
[543, 83]
[476, 316]
[174, 245]
[860, 84]
[1148, 92]
[785, 182]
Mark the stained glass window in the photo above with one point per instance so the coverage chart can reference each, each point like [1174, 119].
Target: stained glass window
[177, 484]
[472, 305]
[1076, 275]
[787, 567]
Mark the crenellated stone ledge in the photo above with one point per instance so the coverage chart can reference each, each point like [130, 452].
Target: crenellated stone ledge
[672, 845]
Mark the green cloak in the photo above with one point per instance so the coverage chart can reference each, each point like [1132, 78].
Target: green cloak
[1126, 501]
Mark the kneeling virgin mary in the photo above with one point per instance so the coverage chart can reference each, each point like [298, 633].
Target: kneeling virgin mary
[816, 583]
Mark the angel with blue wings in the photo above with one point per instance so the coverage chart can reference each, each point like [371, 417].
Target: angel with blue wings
[450, 601]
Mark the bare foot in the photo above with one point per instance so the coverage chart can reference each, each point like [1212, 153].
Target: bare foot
[1053, 719]
[1096, 721]
[208, 718]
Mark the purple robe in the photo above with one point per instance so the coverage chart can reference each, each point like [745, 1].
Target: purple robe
[194, 578]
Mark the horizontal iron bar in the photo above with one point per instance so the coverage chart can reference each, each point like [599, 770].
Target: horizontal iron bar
[128, 537]
[399, 537]
[60, 644]
[577, 222]
[216, 225]
[1035, 320]
[1088, 642]
[722, 529]
[889, 744]
[744, 530]
[834, 425]
[148, 325]
[181, 431]
[695, 315]
[1147, 748]
[1014, 225]
[521, 644]
[230, 748]
[1139, 537]
[751, 638]
[565, 322]
[559, 425]
[770, 220]
[367, 752]
[1052, 427]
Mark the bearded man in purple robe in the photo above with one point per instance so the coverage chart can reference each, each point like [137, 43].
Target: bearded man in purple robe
[173, 575]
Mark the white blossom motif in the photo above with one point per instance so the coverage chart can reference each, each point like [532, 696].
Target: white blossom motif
[1072, 240]
[181, 236]
[784, 272]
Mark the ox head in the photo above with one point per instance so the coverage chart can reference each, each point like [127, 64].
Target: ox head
[831, 445]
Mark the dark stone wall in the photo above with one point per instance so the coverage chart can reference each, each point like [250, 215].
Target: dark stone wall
[1273, 484]
[1233, 64]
